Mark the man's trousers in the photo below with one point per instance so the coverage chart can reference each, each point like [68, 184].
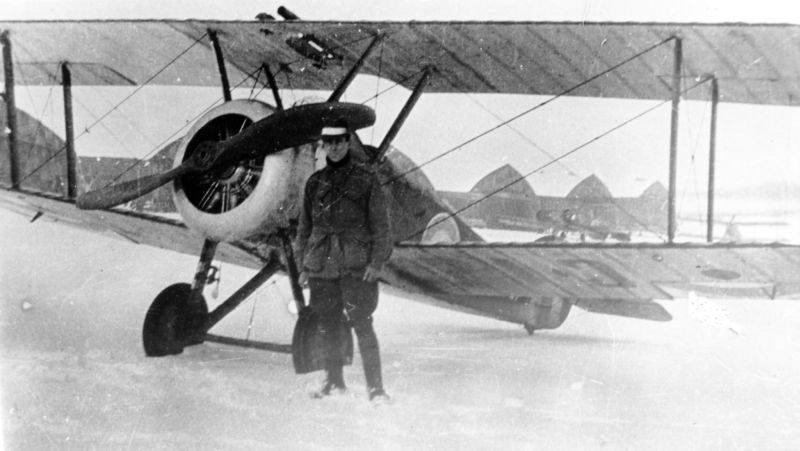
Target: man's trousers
[358, 300]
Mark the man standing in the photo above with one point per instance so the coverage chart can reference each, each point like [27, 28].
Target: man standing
[342, 241]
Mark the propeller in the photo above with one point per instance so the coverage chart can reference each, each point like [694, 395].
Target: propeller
[282, 130]
[126, 191]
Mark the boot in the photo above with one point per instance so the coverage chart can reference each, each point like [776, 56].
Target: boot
[371, 358]
[333, 384]
[379, 396]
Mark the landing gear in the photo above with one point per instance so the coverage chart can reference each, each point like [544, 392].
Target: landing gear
[173, 322]
[179, 316]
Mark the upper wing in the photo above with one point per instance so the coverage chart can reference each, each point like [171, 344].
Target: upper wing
[110, 53]
[754, 63]
[595, 275]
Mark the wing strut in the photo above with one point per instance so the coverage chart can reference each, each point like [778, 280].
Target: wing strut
[223, 73]
[291, 268]
[673, 137]
[69, 133]
[337, 93]
[401, 118]
[712, 158]
[203, 266]
[273, 85]
[269, 269]
[11, 109]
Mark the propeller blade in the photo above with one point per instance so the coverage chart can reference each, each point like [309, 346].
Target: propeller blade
[281, 130]
[126, 191]
[291, 128]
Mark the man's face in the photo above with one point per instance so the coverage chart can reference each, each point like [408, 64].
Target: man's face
[336, 149]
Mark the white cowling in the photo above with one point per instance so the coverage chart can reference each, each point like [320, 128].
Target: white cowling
[275, 197]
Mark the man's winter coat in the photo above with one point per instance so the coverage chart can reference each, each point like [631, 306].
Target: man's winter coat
[344, 224]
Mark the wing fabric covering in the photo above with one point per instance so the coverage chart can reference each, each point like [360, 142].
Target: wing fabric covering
[506, 281]
[614, 279]
[754, 63]
[139, 228]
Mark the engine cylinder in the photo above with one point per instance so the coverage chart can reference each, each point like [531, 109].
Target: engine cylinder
[255, 197]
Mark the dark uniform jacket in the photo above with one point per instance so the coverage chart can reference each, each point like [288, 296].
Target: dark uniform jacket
[344, 224]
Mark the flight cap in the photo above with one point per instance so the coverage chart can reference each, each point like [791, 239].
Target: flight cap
[338, 130]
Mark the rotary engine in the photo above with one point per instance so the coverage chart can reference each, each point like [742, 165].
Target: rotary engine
[256, 196]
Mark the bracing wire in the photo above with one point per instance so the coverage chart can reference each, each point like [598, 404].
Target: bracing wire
[694, 136]
[505, 123]
[172, 136]
[47, 103]
[693, 175]
[519, 133]
[532, 109]
[255, 82]
[104, 126]
[564, 155]
[54, 80]
[695, 145]
[121, 114]
[528, 174]
[39, 124]
[252, 317]
[129, 96]
[248, 76]
[253, 310]
[614, 202]
[288, 83]
[394, 85]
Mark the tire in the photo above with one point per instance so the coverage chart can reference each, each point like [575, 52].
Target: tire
[170, 324]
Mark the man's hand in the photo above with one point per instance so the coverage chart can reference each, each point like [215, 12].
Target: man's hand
[302, 279]
[372, 274]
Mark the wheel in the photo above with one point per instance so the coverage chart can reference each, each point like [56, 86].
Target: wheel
[170, 323]
[529, 328]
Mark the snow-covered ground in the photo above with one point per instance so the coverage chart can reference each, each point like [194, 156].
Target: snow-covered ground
[722, 375]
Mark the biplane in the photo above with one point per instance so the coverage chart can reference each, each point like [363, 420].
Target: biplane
[228, 188]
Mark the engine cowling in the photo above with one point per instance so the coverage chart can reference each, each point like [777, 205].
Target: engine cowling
[255, 197]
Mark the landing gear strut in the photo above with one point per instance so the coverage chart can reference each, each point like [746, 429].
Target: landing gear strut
[179, 316]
